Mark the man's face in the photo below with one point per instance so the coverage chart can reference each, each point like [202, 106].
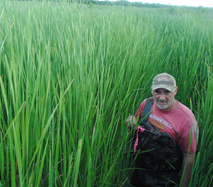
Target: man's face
[164, 99]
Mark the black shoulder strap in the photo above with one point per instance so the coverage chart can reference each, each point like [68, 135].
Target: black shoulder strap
[146, 110]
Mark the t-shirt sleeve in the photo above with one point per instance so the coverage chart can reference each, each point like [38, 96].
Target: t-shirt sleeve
[189, 137]
[140, 110]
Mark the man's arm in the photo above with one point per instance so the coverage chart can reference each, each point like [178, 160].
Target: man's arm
[188, 171]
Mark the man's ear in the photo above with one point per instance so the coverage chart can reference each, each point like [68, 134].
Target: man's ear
[176, 90]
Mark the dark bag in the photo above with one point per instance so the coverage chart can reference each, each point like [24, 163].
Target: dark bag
[158, 158]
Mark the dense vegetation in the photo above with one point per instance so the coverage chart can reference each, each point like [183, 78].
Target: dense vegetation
[71, 74]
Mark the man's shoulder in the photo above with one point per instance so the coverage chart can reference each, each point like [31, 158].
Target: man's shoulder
[142, 105]
[184, 108]
[185, 112]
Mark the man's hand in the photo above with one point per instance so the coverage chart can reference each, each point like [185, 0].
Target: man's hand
[188, 171]
[131, 121]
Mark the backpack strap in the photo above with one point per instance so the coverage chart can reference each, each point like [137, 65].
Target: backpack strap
[146, 110]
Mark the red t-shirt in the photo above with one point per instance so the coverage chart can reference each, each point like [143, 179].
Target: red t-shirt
[177, 123]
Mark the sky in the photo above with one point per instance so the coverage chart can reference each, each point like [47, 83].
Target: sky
[204, 3]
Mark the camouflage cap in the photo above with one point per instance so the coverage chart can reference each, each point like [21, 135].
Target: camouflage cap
[164, 80]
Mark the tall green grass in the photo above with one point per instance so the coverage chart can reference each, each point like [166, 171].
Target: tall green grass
[71, 74]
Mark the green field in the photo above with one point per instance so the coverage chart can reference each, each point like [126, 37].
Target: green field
[71, 74]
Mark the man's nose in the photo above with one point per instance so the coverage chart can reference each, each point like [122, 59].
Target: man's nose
[162, 96]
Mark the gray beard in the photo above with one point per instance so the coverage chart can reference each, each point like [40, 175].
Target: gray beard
[163, 107]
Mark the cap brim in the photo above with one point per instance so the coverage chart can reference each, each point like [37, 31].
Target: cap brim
[158, 86]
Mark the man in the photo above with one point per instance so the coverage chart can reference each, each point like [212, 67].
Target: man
[176, 121]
